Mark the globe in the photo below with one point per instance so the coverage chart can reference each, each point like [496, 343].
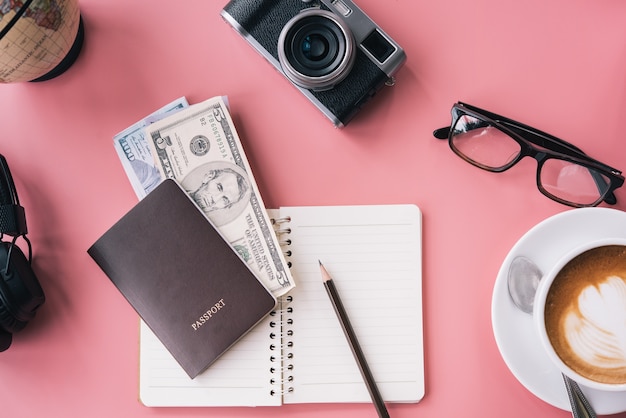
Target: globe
[39, 39]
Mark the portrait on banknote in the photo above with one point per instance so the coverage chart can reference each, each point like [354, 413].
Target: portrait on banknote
[220, 188]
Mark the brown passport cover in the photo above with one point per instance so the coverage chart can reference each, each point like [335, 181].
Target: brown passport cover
[182, 277]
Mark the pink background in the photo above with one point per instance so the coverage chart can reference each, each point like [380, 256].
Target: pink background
[557, 65]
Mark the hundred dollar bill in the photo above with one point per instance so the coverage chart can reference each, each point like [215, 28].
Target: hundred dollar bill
[200, 148]
[134, 151]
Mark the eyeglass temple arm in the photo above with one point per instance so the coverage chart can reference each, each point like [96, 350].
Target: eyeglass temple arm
[525, 131]
[610, 198]
[543, 139]
[442, 133]
[559, 144]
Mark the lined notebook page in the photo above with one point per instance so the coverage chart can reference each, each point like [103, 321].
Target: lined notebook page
[373, 254]
[241, 377]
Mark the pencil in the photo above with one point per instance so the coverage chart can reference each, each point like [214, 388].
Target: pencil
[354, 344]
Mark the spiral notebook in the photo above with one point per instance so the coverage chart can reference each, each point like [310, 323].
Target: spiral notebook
[299, 353]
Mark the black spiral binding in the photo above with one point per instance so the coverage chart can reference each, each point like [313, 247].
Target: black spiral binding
[283, 323]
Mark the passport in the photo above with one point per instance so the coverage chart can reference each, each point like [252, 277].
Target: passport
[183, 279]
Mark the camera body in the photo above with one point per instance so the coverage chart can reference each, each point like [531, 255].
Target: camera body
[329, 49]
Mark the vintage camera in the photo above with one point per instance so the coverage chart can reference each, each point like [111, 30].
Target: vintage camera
[329, 49]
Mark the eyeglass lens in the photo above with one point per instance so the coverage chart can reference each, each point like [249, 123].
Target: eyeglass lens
[572, 182]
[485, 146]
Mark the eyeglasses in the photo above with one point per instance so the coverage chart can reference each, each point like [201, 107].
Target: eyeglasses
[564, 172]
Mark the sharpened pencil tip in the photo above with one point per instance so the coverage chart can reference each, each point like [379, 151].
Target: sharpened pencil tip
[325, 275]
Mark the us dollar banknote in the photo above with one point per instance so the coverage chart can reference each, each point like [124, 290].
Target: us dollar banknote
[200, 148]
[134, 150]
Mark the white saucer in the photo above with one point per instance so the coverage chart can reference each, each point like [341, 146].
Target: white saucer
[513, 329]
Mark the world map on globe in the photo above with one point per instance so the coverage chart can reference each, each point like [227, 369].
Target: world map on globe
[46, 14]
[39, 39]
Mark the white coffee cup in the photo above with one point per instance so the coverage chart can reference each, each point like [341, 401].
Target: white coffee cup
[580, 314]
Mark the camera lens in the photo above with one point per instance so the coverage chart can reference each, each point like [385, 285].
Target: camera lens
[316, 49]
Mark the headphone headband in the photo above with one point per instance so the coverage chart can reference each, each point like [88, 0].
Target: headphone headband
[12, 216]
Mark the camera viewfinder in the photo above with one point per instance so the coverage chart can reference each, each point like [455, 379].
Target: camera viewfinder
[376, 44]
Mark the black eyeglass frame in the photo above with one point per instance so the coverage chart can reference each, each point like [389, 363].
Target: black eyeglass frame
[529, 140]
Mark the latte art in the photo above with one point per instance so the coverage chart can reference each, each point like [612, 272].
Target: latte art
[596, 330]
[585, 314]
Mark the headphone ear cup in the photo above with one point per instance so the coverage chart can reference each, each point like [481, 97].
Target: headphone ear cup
[8, 322]
[8, 325]
[20, 292]
[5, 340]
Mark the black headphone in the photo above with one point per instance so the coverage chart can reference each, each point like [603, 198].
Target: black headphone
[20, 291]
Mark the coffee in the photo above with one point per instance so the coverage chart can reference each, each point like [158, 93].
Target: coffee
[585, 314]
